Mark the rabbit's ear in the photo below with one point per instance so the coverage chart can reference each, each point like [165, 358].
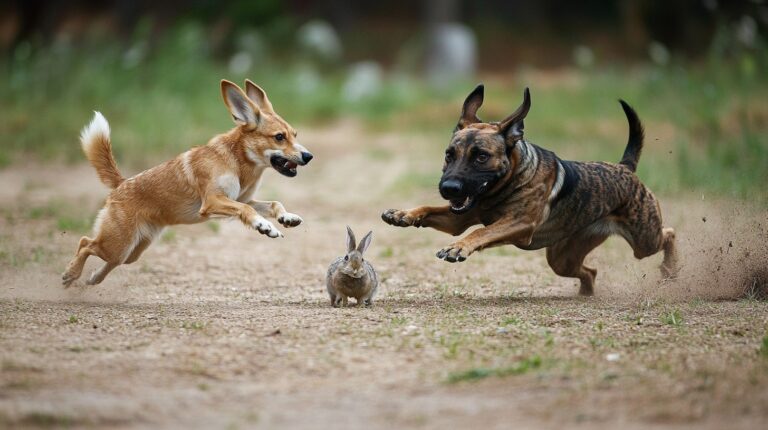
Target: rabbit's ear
[350, 240]
[365, 242]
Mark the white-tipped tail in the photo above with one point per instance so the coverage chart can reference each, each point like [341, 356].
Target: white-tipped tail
[98, 149]
[97, 129]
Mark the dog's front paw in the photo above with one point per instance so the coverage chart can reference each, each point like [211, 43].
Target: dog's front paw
[399, 218]
[453, 253]
[289, 220]
[265, 227]
[68, 278]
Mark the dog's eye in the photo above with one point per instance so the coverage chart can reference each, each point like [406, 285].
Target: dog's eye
[280, 137]
[448, 157]
[482, 158]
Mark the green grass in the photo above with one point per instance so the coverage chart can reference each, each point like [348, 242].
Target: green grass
[706, 123]
[524, 366]
[673, 318]
[763, 350]
[168, 236]
[193, 325]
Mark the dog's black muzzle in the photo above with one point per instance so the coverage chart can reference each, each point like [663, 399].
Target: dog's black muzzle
[463, 193]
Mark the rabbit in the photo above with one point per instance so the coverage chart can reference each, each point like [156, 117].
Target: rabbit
[351, 275]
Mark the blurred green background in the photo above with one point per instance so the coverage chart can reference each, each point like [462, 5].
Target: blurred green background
[694, 70]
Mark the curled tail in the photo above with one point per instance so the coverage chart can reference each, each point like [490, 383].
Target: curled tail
[98, 149]
[636, 136]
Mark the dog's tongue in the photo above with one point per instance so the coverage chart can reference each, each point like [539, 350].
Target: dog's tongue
[290, 165]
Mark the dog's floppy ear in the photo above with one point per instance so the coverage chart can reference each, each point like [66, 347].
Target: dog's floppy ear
[365, 242]
[243, 110]
[471, 105]
[258, 96]
[512, 126]
[350, 240]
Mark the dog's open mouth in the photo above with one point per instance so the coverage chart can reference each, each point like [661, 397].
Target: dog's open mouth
[459, 206]
[464, 204]
[283, 165]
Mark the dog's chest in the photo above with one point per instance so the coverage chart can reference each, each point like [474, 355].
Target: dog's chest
[237, 188]
[229, 184]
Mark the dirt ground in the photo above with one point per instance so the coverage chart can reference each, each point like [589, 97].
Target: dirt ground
[217, 326]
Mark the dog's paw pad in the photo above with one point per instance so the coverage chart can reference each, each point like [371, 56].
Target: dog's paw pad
[289, 220]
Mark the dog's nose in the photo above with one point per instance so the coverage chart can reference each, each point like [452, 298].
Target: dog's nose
[451, 188]
[306, 157]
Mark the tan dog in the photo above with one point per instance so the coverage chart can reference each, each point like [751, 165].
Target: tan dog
[215, 180]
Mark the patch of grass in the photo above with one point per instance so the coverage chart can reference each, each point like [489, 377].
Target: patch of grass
[673, 318]
[48, 419]
[168, 236]
[73, 319]
[524, 366]
[77, 224]
[47, 211]
[398, 320]
[763, 350]
[214, 226]
[193, 325]
[510, 321]
[39, 254]
[14, 366]
[9, 258]
[387, 252]
[451, 345]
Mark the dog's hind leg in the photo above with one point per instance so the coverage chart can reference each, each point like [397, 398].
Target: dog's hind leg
[642, 229]
[138, 250]
[120, 240]
[566, 258]
[98, 275]
[75, 267]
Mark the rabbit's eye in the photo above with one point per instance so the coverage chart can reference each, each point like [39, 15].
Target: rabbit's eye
[346, 258]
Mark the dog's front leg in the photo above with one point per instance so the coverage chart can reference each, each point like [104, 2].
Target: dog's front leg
[217, 204]
[277, 211]
[504, 231]
[438, 217]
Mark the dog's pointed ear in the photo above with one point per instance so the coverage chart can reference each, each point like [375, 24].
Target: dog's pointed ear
[258, 96]
[350, 240]
[365, 242]
[243, 110]
[512, 126]
[471, 105]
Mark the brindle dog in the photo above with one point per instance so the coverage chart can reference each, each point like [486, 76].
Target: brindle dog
[526, 196]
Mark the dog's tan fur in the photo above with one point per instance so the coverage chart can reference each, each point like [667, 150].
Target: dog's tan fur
[215, 180]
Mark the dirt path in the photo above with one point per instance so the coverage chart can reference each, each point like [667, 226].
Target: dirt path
[219, 327]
